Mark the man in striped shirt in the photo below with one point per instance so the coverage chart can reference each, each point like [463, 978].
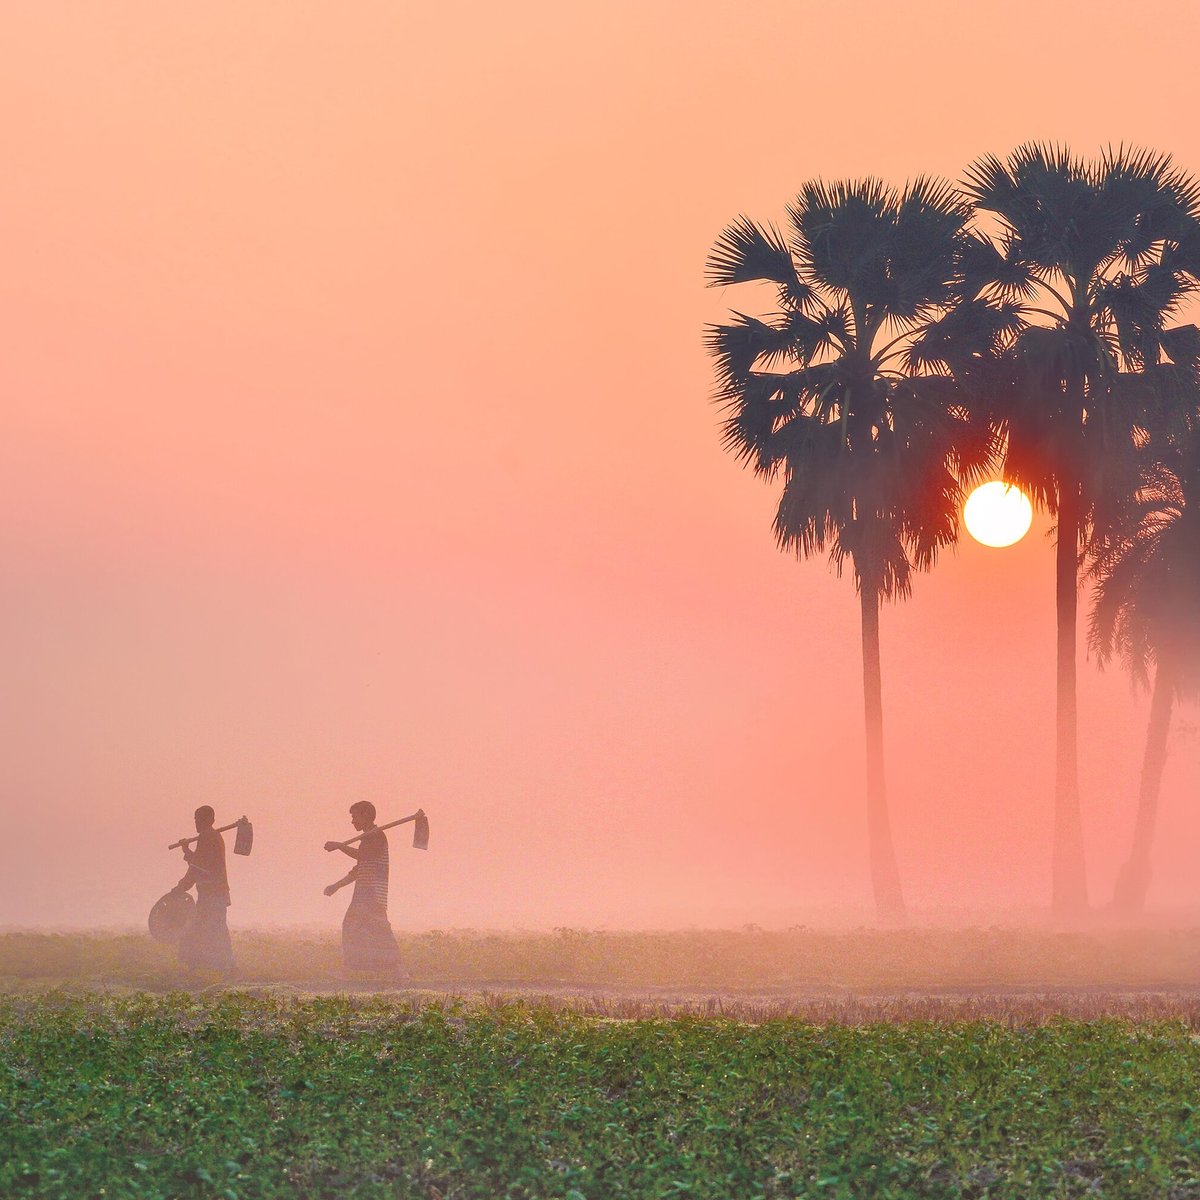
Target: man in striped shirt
[368, 943]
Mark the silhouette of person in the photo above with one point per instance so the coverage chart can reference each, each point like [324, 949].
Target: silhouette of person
[205, 940]
[368, 943]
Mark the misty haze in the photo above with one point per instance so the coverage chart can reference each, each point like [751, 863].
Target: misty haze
[489, 625]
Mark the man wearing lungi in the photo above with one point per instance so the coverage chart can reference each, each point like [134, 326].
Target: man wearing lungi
[368, 943]
[205, 940]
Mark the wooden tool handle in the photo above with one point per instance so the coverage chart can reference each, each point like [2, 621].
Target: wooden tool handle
[196, 837]
[390, 825]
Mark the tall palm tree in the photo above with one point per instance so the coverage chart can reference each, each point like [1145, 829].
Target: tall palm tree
[832, 393]
[1146, 565]
[1093, 259]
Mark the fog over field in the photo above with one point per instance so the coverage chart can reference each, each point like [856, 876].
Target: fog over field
[356, 443]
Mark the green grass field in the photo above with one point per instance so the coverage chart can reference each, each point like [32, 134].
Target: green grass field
[241, 1096]
[915, 1063]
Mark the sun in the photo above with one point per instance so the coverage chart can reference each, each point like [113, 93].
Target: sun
[998, 513]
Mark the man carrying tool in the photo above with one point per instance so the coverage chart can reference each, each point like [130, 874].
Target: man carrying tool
[205, 940]
[368, 943]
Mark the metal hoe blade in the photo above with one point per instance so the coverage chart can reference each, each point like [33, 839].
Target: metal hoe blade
[244, 839]
[421, 831]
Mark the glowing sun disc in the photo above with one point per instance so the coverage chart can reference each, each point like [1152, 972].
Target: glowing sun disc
[998, 514]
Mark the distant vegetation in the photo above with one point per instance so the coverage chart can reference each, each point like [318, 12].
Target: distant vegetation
[792, 962]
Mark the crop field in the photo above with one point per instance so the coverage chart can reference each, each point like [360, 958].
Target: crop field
[918, 1063]
[232, 1095]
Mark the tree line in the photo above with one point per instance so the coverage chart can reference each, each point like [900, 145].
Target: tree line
[1026, 323]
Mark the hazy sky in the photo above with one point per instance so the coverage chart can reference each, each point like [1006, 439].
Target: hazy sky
[356, 442]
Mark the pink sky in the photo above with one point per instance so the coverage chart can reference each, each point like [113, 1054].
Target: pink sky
[355, 442]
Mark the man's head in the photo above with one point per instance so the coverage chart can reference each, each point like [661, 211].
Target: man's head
[362, 815]
[204, 818]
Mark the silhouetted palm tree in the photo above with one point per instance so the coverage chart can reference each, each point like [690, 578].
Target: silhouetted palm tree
[1146, 565]
[1093, 258]
[833, 392]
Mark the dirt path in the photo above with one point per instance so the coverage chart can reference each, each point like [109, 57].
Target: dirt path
[1031, 1003]
[1025, 1004]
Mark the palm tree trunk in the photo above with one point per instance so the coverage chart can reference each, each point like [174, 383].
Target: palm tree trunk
[1133, 882]
[1069, 888]
[885, 876]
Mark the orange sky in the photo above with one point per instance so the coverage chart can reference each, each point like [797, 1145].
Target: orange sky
[355, 442]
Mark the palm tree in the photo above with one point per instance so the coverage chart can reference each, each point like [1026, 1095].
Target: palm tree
[1093, 259]
[1147, 610]
[833, 392]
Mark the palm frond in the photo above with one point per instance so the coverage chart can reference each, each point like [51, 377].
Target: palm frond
[996, 267]
[1144, 562]
[840, 232]
[767, 403]
[1182, 344]
[749, 253]
[1042, 195]
[957, 339]
[744, 344]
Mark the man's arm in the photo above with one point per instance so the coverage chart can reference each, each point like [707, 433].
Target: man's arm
[199, 861]
[341, 883]
[189, 880]
[353, 851]
[199, 864]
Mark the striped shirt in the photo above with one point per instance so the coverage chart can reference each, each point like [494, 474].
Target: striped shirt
[371, 874]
